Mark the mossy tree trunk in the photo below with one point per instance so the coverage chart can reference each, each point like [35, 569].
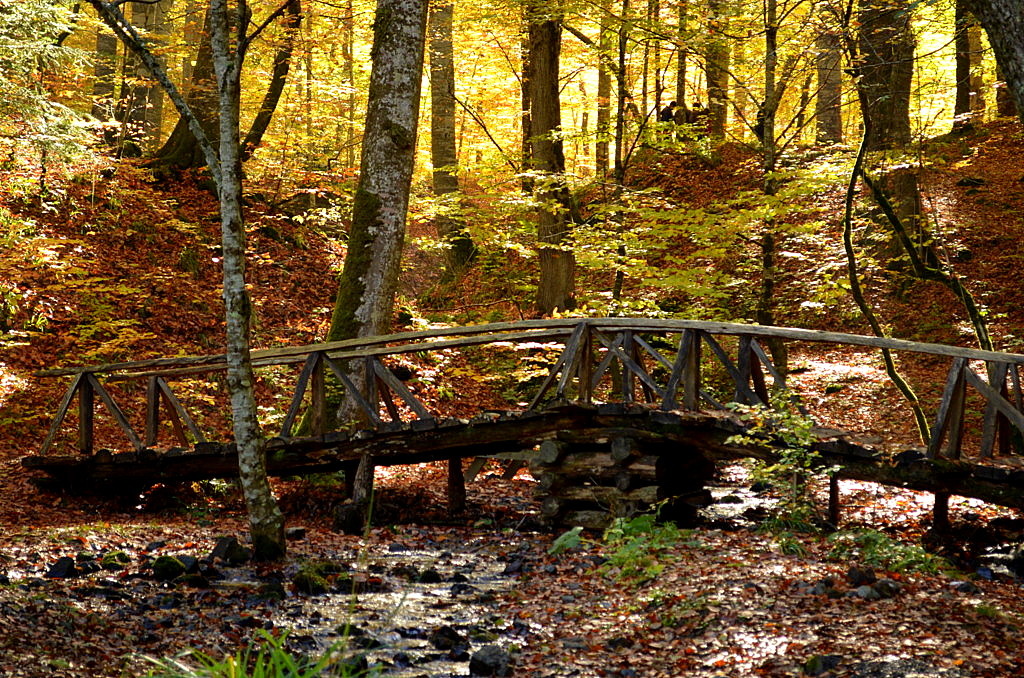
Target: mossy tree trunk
[557, 260]
[366, 288]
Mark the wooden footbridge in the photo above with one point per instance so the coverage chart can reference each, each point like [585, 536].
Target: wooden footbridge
[631, 411]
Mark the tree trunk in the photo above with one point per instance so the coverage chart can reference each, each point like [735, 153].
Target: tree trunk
[885, 67]
[969, 82]
[1004, 23]
[828, 103]
[526, 153]
[103, 79]
[278, 78]
[604, 95]
[182, 149]
[450, 226]
[140, 109]
[557, 261]
[265, 519]
[366, 289]
[681, 54]
[717, 68]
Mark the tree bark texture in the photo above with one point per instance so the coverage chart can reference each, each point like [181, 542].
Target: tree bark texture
[103, 77]
[370, 274]
[266, 523]
[443, 157]
[968, 69]
[557, 261]
[1003, 21]
[886, 68]
[828, 112]
[140, 109]
[717, 68]
[604, 96]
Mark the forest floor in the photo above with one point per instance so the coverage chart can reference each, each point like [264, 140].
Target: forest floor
[425, 591]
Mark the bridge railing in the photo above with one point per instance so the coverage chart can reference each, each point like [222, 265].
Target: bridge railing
[661, 363]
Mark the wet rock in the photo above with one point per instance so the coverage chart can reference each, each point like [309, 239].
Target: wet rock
[446, 638]
[195, 580]
[459, 653]
[310, 582]
[154, 546]
[430, 576]
[296, 533]
[191, 564]
[401, 660]
[866, 592]
[64, 568]
[85, 557]
[966, 587]
[89, 567]
[858, 576]
[4, 579]
[900, 668]
[887, 588]
[271, 591]
[364, 642]
[396, 547]
[618, 643]
[490, 660]
[407, 572]
[462, 589]
[821, 663]
[513, 567]
[730, 499]
[115, 560]
[166, 568]
[228, 550]
[575, 643]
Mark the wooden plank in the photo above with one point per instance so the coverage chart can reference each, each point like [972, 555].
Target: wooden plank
[603, 366]
[743, 391]
[352, 391]
[584, 369]
[318, 397]
[389, 402]
[756, 374]
[116, 411]
[687, 341]
[560, 364]
[474, 469]
[179, 414]
[991, 423]
[572, 352]
[1002, 404]
[62, 412]
[954, 384]
[628, 363]
[398, 387]
[300, 391]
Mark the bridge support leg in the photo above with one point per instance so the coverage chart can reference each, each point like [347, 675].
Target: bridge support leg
[456, 487]
[833, 501]
[940, 512]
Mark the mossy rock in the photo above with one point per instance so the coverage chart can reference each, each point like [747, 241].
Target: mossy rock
[166, 568]
[270, 591]
[115, 560]
[309, 582]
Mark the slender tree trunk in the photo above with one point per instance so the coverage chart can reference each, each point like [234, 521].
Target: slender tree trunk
[140, 109]
[963, 105]
[366, 289]
[718, 68]
[266, 522]
[681, 53]
[278, 79]
[828, 112]
[604, 94]
[350, 78]
[557, 261]
[450, 226]
[526, 152]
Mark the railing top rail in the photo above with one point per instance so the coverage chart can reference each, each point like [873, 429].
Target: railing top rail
[525, 330]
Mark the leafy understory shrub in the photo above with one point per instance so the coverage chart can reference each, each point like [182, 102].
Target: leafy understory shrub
[265, 657]
[639, 547]
[788, 435]
[878, 550]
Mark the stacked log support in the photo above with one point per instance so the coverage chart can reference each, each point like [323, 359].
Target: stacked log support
[589, 478]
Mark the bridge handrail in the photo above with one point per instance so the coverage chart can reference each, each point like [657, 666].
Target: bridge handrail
[525, 330]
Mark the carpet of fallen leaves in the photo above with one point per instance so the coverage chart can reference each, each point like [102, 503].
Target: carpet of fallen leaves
[729, 600]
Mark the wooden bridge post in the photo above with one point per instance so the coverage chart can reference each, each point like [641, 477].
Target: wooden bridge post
[318, 396]
[86, 415]
[585, 366]
[152, 410]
